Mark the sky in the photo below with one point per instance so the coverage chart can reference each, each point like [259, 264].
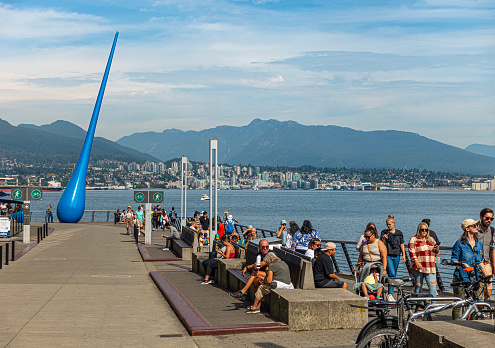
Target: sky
[424, 66]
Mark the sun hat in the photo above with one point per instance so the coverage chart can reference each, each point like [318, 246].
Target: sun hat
[329, 246]
[283, 222]
[469, 222]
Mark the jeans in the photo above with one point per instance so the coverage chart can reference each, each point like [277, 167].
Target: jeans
[431, 281]
[49, 217]
[392, 265]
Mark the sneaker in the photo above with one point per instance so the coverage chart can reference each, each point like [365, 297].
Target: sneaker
[165, 249]
[239, 295]
[206, 282]
[252, 310]
[390, 298]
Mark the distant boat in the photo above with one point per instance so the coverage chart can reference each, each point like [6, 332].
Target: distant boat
[205, 197]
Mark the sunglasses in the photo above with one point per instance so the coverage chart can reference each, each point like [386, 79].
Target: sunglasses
[488, 218]
[424, 230]
[265, 247]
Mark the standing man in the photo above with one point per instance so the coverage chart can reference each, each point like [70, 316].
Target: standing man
[173, 216]
[486, 235]
[323, 272]
[128, 219]
[140, 220]
[282, 232]
[204, 220]
[49, 214]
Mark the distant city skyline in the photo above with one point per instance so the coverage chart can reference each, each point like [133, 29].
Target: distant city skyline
[421, 66]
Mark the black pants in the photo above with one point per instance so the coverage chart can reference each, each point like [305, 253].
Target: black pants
[155, 223]
[210, 266]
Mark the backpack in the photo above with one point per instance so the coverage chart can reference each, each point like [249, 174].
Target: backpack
[230, 227]
[173, 215]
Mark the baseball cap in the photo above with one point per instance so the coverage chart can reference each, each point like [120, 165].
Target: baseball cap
[283, 222]
[329, 246]
[469, 222]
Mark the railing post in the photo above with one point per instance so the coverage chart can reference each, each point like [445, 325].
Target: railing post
[7, 254]
[93, 217]
[440, 281]
[13, 250]
[1, 256]
[347, 257]
[108, 215]
[39, 236]
[336, 265]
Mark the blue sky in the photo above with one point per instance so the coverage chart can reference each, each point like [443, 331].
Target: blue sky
[420, 66]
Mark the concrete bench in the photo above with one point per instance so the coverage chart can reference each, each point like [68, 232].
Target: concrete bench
[186, 244]
[318, 309]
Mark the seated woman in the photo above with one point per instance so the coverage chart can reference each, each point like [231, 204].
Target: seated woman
[212, 264]
[314, 244]
[277, 277]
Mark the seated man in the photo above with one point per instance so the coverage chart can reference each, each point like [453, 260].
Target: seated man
[174, 234]
[257, 275]
[323, 272]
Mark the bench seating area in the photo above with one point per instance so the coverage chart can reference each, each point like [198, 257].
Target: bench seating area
[304, 308]
[186, 244]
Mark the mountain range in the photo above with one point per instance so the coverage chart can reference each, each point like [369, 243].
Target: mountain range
[60, 141]
[262, 142]
[272, 142]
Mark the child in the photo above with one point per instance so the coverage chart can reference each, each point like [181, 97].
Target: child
[372, 283]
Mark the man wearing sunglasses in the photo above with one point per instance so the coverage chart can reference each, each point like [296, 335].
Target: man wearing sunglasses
[486, 234]
[257, 275]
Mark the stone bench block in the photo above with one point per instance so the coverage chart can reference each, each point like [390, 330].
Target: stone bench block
[196, 265]
[318, 309]
[223, 266]
[181, 248]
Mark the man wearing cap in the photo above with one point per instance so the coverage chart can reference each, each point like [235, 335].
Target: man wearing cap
[282, 232]
[128, 219]
[323, 272]
[486, 235]
[467, 250]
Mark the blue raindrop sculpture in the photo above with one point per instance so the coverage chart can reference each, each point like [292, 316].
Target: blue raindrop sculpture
[70, 208]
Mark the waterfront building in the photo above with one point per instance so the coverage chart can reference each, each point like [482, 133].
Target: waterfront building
[288, 176]
[257, 170]
[265, 176]
[296, 177]
[313, 183]
[250, 171]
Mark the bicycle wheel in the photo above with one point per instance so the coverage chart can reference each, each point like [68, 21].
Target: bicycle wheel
[382, 338]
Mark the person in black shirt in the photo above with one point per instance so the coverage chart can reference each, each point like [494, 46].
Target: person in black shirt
[323, 272]
[394, 241]
[204, 220]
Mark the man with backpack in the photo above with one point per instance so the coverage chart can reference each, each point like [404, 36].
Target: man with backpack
[172, 216]
[229, 228]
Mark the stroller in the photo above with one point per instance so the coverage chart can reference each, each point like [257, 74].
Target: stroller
[361, 271]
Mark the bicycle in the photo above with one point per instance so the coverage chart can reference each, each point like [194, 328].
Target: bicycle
[396, 336]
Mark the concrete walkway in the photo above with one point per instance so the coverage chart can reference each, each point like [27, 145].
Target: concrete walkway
[86, 286]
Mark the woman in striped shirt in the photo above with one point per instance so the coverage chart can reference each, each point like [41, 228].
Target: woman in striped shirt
[423, 251]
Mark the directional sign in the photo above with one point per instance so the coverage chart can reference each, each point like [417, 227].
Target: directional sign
[156, 197]
[26, 207]
[140, 196]
[19, 193]
[35, 194]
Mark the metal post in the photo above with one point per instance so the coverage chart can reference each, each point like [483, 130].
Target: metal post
[183, 192]
[13, 250]
[347, 257]
[1, 257]
[213, 176]
[7, 254]
[39, 236]
[26, 233]
[147, 225]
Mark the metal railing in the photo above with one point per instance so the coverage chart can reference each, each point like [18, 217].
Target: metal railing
[88, 216]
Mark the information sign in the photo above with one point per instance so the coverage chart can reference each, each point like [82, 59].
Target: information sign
[18, 193]
[148, 196]
[35, 194]
[140, 196]
[4, 227]
[156, 196]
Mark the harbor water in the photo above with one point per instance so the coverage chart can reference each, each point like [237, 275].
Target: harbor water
[337, 215]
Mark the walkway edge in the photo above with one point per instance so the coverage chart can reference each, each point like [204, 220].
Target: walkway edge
[145, 255]
[194, 322]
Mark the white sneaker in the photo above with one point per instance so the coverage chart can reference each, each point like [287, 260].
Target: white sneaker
[390, 298]
[165, 249]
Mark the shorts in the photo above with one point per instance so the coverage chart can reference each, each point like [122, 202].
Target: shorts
[333, 283]
[128, 222]
[139, 223]
[487, 268]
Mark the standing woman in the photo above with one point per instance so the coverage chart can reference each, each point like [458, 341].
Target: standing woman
[466, 251]
[293, 228]
[394, 241]
[423, 250]
[301, 238]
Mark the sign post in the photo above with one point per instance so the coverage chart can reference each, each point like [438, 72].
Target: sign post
[147, 197]
[26, 194]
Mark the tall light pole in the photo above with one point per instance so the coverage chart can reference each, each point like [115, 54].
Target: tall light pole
[183, 191]
[213, 147]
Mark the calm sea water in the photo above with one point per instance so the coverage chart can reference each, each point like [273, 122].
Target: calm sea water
[340, 215]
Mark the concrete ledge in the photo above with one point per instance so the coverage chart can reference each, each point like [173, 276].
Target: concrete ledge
[451, 334]
[197, 266]
[223, 266]
[193, 320]
[184, 252]
[145, 255]
[318, 309]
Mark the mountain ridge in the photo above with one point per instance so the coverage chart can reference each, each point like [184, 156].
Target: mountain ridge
[289, 143]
